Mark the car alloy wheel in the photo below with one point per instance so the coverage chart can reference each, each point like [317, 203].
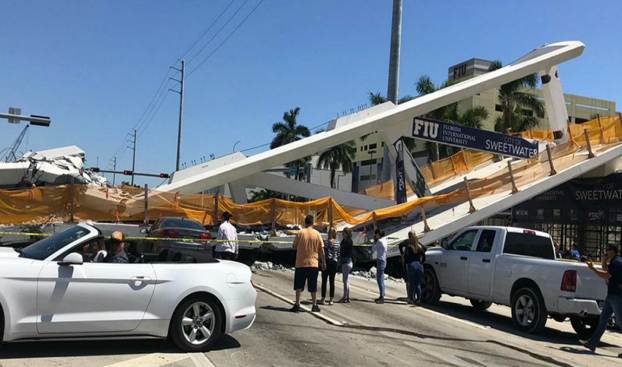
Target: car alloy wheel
[198, 323]
[525, 310]
[529, 312]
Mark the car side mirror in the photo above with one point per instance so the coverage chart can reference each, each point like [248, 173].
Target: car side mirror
[73, 258]
[144, 230]
[444, 243]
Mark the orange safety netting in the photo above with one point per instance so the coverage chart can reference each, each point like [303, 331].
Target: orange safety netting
[62, 203]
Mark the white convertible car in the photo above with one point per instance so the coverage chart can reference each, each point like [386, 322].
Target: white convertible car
[51, 290]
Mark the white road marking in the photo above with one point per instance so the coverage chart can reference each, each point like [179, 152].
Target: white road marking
[200, 360]
[430, 311]
[151, 360]
[305, 308]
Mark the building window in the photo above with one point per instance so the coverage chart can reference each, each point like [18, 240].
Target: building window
[527, 112]
[368, 162]
[498, 108]
[373, 146]
[366, 178]
[382, 144]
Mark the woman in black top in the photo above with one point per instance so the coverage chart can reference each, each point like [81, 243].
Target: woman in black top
[413, 254]
[346, 246]
[331, 251]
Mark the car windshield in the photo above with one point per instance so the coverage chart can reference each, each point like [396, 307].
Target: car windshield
[181, 223]
[47, 246]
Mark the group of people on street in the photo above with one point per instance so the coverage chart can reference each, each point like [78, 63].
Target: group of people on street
[313, 254]
[573, 254]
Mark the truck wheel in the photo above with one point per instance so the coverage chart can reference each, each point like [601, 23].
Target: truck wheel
[528, 310]
[480, 305]
[430, 289]
[584, 326]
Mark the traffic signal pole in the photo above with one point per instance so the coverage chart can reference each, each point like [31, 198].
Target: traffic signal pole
[129, 173]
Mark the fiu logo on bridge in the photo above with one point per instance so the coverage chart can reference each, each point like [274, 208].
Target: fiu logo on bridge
[425, 129]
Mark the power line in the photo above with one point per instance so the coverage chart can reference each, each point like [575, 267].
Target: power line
[163, 92]
[218, 32]
[208, 29]
[150, 106]
[225, 40]
[155, 113]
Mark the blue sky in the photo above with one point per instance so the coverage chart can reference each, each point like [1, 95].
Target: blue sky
[94, 66]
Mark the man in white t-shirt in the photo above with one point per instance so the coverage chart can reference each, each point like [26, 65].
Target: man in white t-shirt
[227, 247]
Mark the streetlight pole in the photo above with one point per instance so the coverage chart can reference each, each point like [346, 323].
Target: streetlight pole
[236, 143]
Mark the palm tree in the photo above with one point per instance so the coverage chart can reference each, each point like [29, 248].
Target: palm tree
[336, 157]
[515, 98]
[288, 132]
[264, 194]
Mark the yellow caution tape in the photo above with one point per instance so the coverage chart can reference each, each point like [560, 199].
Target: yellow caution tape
[25, 234]
[168, 239]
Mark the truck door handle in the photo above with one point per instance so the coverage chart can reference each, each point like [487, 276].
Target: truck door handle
[463, 258]
[486, 260]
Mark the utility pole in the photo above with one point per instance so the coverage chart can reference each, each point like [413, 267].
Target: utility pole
[133, 156]
[114, 168]
[181, 107]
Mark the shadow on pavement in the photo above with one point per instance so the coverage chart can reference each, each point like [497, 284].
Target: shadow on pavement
[576, 350]
[274, 308]
[502, 323]
[386, 301]
[71, 348]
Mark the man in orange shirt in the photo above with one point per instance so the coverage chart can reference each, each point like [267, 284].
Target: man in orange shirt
[309, 247]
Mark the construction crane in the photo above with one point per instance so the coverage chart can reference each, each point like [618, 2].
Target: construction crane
[13, 149]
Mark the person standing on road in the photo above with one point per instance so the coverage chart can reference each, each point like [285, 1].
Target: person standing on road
[331, 254]
[414, 257]
[309, 246]
[380, 246]
[404, 264]
[346, 248]
[612, 272]
[228, 248]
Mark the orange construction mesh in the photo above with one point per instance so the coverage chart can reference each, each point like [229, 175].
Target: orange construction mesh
[63, 203]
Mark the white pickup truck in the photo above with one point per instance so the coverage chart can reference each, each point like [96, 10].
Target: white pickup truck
[514, 267]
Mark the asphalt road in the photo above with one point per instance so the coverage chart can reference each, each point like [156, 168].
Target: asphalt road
[361, 333]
